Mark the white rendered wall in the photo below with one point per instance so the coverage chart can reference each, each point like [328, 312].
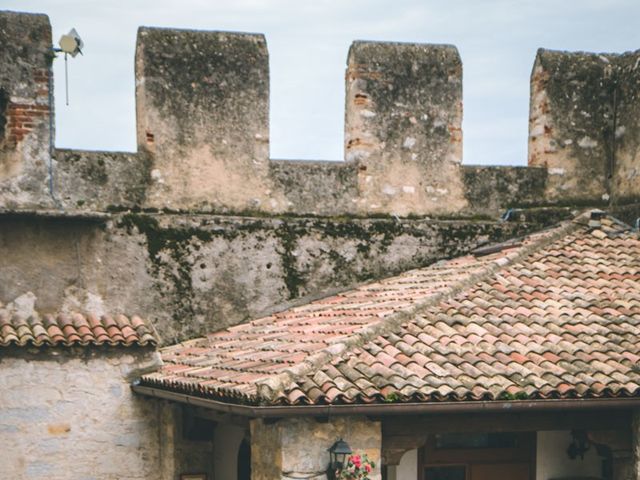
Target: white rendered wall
[553, 462]
[407, 469]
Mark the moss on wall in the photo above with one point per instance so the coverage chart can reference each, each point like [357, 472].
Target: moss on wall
[213, 271]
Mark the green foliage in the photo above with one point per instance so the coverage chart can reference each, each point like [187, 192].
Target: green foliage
[517, 396]
[392, 398]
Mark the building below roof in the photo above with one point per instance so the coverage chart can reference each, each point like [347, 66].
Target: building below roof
[517, 361]
[66, 407]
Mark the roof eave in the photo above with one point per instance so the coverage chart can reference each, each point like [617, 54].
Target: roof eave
[495, 406]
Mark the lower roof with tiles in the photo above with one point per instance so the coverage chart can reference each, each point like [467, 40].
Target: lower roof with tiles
[67, 330]
[553, 315]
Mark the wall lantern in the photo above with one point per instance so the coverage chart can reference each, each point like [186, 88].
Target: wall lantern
[338, 454]
[579, 444]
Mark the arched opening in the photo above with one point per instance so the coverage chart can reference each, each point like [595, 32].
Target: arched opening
[244, 460]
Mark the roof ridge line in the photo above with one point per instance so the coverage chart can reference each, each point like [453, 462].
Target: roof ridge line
[272, 386]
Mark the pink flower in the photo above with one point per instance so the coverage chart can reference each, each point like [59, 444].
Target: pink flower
[358, 467]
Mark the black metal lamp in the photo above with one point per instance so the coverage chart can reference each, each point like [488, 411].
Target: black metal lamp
[579, 444]
[338, 454]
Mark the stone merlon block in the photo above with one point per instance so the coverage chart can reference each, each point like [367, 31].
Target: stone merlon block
[584, 124]
[25, 109]
[203, 110]
[570, 118]
[403, 125]
[625, 184]
[26, 45]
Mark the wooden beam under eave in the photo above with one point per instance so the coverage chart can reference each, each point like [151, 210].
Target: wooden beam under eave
[219, 417]
[506, 422]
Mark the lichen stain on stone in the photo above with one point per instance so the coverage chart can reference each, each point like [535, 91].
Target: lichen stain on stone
[168, 251]
[213, 271]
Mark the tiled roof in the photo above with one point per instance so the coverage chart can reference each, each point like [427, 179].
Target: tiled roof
[554, 315]
[74, 329]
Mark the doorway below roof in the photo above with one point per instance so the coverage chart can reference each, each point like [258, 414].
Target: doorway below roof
[506, 456]
[478, 456]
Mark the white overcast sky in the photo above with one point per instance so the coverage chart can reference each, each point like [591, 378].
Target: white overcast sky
[308, 43]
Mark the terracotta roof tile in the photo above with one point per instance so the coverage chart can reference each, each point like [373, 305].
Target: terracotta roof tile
[554, 315]
[76, 329]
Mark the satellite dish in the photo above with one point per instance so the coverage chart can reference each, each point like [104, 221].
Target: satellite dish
[71, 43]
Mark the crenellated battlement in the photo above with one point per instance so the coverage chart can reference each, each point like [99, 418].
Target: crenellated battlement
[202, 106]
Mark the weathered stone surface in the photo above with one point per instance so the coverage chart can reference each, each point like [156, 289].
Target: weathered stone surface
[72, 416]
[25, 109]
[277, 451]
[73, 264]
[493, 189]
[99, 181]
[202, 101]
[555, 140]
[403, 127]
[193, 274]
[584, 126]
[316, 188]
[626, 129]
[266, 451]
[202, 109]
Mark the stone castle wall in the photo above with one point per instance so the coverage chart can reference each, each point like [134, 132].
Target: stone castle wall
[199, 229]
[70, 414]
[193, 274]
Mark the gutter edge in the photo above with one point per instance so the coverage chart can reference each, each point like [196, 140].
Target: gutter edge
[494, 406]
